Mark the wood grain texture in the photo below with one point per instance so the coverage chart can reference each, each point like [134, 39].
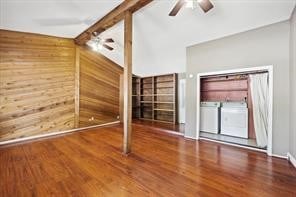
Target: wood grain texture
[110, 19]
[158, 98]
[121, 98]
[127, 81]
[41, 90]
[36, 84]
[77, 86]
[91, 163]
[229, 88]
[162, 126]
[136, 98]
[99, 89]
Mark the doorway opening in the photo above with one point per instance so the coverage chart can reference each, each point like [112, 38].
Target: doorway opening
[235, 107]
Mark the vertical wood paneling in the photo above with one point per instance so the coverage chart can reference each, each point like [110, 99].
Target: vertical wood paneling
[77, 89]
[99, 89]
[36, 84]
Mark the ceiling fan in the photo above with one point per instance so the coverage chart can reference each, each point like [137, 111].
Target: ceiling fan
[205, 5]
[98, 43]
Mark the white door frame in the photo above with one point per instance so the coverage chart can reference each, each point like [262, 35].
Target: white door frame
[269, 69]
[182, 118]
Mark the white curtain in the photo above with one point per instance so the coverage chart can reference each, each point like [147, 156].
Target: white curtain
[260, 99]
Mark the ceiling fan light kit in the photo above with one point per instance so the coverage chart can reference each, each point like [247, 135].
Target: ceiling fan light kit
[95, 46]
[98, 44]
[205, 5]
[190, 4]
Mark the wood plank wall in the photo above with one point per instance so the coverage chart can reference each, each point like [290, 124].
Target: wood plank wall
[37, 85]
[99, 89]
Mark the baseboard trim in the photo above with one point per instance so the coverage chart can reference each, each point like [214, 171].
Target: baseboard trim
[236, 145]
[189, 137]
[55, 133]
[292, 159]
[161, 129]
[171, 132]
[280, 156]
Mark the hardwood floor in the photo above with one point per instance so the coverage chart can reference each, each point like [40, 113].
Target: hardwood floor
[180, 128]
[91, 163]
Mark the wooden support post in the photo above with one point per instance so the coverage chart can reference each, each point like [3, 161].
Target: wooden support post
[121, 95]
[127, 82]
[77, 87]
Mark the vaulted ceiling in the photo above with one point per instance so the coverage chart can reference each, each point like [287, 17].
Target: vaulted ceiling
[64, 18]
[160, 41]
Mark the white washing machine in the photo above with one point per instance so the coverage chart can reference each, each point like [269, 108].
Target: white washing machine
[234, 119]
[209, 117]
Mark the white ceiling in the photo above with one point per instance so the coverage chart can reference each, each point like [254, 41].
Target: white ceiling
[50, 16]
[160, 41]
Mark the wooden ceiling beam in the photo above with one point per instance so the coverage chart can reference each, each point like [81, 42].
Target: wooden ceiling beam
[113, 17]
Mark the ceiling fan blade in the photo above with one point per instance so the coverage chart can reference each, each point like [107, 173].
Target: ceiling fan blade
[94, 34]
[177, 8]
[107, 47]
[109, 40]
[205, 5]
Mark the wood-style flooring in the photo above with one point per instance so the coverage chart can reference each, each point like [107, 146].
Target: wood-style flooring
[163, 126]
[91, 163]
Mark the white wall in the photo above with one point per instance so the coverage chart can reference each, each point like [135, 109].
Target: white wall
[292, 148]
[263, 46]
[160, 41]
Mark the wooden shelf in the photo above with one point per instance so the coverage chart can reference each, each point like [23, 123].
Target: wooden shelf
[147, 83]
[164, 102]
[136, 108]
[156, 95]
[164, 96]
[170, 110]
[164, 87]
[164, 81]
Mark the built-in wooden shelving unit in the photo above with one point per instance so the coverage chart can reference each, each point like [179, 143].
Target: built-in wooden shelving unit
[136, 96]
[155, 98]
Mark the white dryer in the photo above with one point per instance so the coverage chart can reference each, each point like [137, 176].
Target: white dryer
[209, 117]
[234, 119]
